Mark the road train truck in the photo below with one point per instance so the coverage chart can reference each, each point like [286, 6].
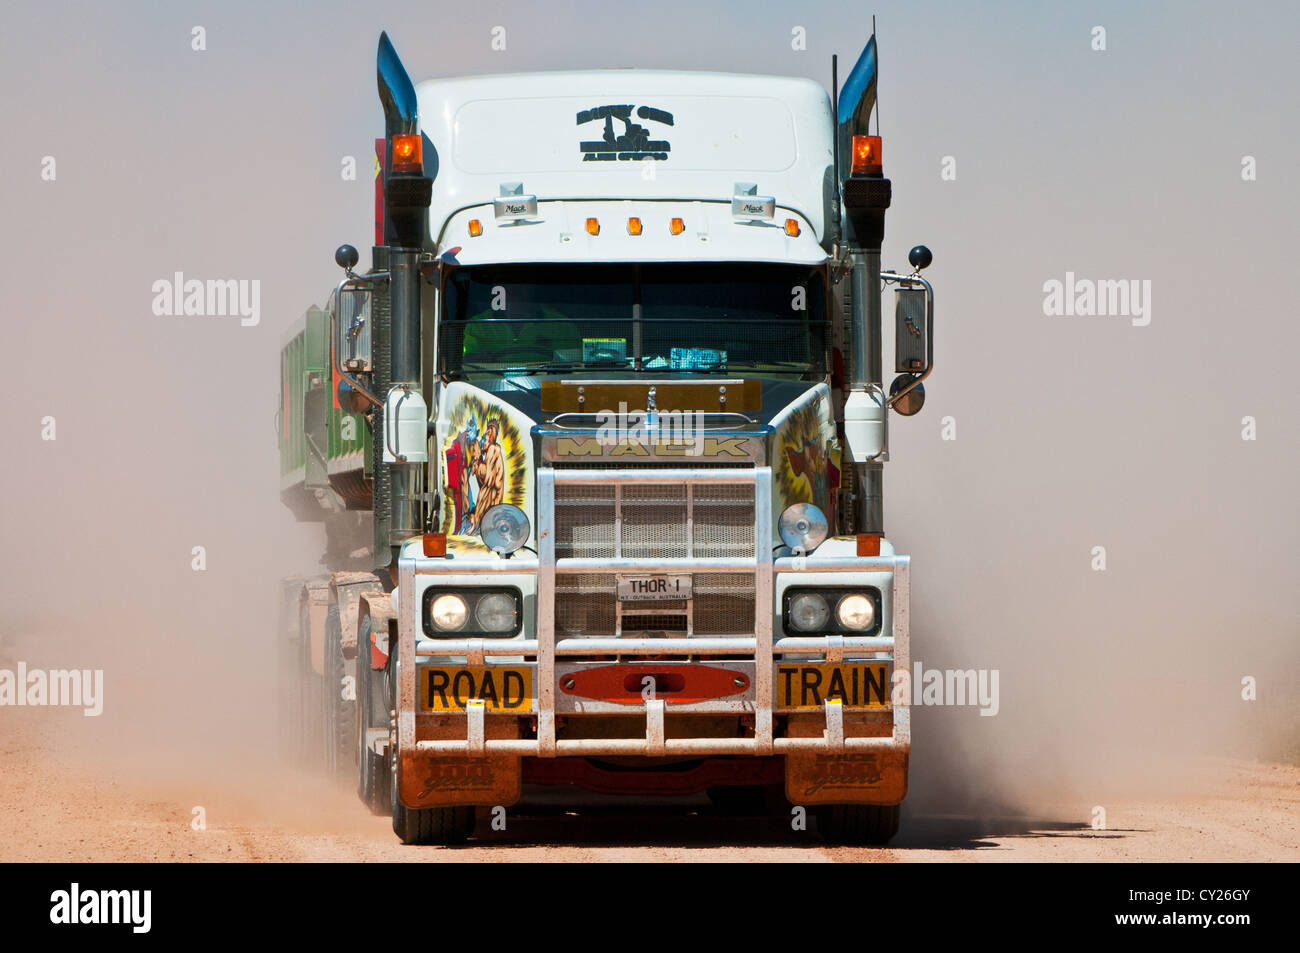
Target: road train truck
[597, 443]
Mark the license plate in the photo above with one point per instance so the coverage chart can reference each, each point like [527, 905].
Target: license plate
[855, 684]
[499, 687]
[653, 588]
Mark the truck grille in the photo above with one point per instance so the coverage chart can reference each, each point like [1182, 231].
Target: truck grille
[631, 521]
[586, 604]
[649, 521]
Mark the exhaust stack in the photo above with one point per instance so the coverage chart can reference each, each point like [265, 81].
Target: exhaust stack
[399, 483]
[865, 195]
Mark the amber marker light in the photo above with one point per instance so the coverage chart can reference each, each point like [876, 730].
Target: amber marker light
[408, 153]
[475, 228]
[677, 226]
[866, 155]
[868, 544]
[634, 226]
[593, 227]
[435, 544]
[792, 227]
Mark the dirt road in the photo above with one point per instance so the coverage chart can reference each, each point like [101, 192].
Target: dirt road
[56, 805]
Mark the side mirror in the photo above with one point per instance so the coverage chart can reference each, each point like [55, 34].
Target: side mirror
[351, 400]
[913, 333]
[911, 339]
[913, 397]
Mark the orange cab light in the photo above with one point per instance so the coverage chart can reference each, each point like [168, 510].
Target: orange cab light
[866, 155]
[677, 226]
[435, 544]
[475, 228]
[868, 544]
[634, 226]
[408, 153]
[593, 227]
[792, 227]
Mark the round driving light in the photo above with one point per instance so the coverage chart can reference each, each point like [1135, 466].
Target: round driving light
[505, 528]
[495, 612]
[809, 612]
[856, 612]
[448, 612]
[803, 526]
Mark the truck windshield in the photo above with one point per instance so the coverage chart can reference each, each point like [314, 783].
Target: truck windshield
[507, 320]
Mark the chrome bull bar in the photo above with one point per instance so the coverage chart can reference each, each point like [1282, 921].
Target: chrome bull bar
[761, 647]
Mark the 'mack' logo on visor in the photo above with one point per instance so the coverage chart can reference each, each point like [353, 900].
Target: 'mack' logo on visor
[633, 143]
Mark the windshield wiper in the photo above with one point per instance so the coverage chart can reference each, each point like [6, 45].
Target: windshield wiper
[786, 367]
[764, 367]
[508, 370]
[573, 366]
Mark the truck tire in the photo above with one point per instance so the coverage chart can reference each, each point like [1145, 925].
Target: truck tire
[431, 825]
[373, 776]
[870, 824]
[339, 712]
[434, 825]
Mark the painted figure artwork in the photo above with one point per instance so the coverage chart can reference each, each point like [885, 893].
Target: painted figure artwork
[808, 467]
[816, 464]
[459, 477]
[484, 465]
[489, 468]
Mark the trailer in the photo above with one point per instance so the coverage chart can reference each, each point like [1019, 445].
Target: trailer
[598, 443]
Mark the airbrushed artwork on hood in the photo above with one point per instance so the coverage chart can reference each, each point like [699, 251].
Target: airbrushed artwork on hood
[806, 454]
[485, 462]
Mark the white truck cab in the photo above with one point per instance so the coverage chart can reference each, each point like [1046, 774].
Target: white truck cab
[638, 547]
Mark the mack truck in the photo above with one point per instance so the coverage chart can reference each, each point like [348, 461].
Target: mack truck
[597, 444]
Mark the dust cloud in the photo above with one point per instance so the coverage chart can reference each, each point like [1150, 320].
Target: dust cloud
[1071, 433]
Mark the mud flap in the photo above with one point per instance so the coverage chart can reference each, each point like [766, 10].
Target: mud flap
[449, 780]
[318, 607]
[348, 589]
[844, 777]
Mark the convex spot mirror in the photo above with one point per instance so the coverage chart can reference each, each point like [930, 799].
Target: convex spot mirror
[911, 402]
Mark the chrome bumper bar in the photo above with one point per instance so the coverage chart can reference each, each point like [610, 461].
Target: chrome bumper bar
[761, 647]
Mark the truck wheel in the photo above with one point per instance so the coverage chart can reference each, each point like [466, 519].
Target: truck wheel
[339, 712]
[870, 824]
[431, 825]
[373, 775]
[434, 825]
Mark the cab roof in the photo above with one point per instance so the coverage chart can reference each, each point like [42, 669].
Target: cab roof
[627, 134]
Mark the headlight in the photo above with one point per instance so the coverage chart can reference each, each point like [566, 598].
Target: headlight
[809, 612]
[856, 612]
[448, 612]
[467, 612]
[496, 612]
[803, 526]
[831, 610]
[505, 528]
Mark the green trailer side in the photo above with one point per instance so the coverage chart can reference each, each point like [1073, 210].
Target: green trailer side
[322, 448]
